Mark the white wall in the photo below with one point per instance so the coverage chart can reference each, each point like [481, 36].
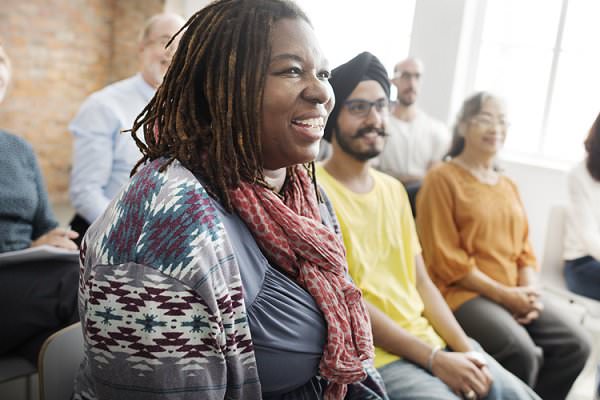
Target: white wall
[185, 7]
[435, 39]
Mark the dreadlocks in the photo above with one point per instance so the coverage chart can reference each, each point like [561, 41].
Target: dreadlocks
[207, 112]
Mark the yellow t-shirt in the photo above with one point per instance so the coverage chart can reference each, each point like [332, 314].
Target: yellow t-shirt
[381, 244]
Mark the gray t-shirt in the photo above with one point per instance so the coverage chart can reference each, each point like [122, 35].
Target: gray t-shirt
[288, 329]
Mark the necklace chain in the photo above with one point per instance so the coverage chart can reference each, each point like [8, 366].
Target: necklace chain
[484, 175]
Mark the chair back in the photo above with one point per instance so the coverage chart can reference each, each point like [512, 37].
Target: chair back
[59, 361]
[13, 367]
[552, 260]
[552, 278]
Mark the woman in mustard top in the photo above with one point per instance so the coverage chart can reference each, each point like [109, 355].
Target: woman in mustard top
[474, 234]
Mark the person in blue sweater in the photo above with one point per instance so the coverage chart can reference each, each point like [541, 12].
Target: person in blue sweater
[38, 297]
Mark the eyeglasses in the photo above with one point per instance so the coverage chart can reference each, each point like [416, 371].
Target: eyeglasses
[407, 75]
[161, 42]
[362, 108]
[487, 122]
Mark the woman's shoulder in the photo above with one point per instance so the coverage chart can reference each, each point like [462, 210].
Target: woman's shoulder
[443, 171]
[173, 178]
[579, 170]
[173, 190]
[11, 142]
[157, 218]
[579, 175]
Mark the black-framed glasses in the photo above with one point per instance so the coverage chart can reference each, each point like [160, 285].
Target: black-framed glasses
[362, 108]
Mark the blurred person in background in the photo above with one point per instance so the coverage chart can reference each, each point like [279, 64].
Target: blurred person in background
[36, 297]
[416, 141]
[582, 238]
[475, 237]
[102, 156]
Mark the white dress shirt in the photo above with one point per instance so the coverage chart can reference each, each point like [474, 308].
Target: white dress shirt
[103, 156]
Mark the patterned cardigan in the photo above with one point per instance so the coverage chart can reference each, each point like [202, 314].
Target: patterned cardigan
[161, 299]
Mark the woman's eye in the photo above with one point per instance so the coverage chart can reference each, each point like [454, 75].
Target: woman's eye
[324, 75]
[294, 71]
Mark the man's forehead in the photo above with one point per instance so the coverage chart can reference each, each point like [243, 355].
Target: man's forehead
[408, 65]
[368, 89]
[163, 25]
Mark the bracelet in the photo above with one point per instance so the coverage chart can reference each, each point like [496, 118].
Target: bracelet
[430, 359]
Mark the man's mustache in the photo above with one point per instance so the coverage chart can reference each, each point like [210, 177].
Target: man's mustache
[368, 129]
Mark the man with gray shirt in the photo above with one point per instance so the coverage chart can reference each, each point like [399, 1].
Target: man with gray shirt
[415, 141]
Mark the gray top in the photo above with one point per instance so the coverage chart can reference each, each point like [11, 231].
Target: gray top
[25, 213]
[287, 327]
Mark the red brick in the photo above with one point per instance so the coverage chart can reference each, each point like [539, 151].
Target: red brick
[61, 51]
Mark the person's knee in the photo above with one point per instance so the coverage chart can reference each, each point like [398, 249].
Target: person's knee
[406, 381]
[523, 359]
[579, 350]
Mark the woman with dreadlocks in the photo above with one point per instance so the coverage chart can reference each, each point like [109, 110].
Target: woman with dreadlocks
[218, 272]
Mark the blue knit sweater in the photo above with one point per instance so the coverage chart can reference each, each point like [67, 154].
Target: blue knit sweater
[25, 213]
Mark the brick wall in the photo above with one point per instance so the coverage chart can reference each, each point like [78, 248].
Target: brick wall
[61, 51]
[129, 19]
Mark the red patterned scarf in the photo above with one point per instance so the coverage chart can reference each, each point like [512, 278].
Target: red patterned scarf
[290, 234]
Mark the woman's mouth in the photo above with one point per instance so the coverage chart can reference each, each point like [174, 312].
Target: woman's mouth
[311, 123]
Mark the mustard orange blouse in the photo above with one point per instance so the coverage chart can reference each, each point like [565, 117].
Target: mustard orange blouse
[464, 223]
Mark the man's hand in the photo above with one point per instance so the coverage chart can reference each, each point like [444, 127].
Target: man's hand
[534, 314]
[462, 373]
[57, 237]
[520, 300]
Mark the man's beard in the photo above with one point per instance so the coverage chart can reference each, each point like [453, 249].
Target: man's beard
[405, 100]
[345, 143]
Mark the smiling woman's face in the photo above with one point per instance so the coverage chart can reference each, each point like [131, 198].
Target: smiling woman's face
[297, 97]
[4, 73]
[486, 131]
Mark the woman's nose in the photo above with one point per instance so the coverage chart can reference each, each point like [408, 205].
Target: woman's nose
[318, 91]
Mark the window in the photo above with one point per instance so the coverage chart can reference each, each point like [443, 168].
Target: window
[346, 28]
[540, 56]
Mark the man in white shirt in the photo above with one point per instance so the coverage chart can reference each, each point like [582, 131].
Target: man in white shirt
[415, 140]
[103, 156]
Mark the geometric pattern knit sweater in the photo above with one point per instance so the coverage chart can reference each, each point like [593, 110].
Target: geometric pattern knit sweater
[161, 298]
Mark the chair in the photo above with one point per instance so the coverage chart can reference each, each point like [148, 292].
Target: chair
[59, 361]
[552, 277]
[14, 367]
[553, 283]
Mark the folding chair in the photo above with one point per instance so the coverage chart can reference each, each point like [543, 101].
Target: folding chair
[59, 361]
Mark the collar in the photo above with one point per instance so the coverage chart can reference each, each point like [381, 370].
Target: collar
[145, 89]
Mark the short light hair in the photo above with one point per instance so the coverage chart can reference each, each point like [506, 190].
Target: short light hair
[414, 59]
[149, 25]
